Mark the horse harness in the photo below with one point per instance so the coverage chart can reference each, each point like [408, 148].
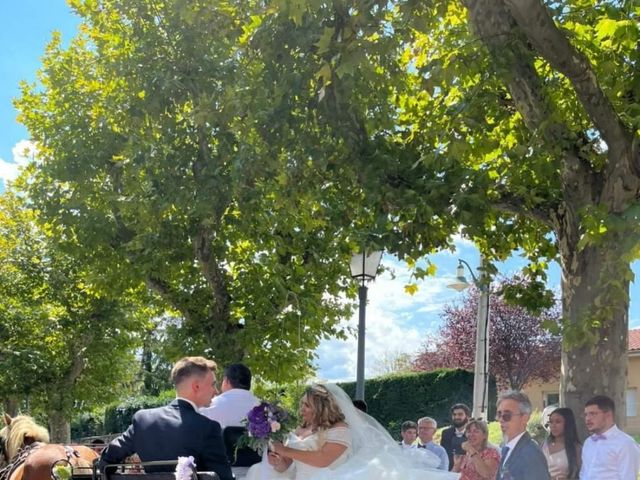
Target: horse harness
[24, 452]
[19, 459]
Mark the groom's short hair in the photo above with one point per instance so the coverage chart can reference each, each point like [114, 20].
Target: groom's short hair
[238, 375]
[191, 366]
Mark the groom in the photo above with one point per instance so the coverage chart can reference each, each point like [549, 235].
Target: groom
[177, 430]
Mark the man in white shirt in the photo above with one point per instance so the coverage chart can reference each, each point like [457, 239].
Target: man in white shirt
[232, 405]
[609, 453]
[427, 427]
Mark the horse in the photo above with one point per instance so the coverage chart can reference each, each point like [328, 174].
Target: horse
[23, 434]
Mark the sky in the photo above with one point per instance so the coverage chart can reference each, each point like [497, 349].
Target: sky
[396, 321]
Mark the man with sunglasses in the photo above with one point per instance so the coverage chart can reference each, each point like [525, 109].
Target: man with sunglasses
[609, 453]
[522, 458]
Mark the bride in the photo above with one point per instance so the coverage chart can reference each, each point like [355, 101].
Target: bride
[337, 441]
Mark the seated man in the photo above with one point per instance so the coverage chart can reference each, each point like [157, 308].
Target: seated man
[232, 406]
[178, 429]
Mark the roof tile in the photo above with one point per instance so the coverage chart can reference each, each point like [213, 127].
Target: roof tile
[634, 339]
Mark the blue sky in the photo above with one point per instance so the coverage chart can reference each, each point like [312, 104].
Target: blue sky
[396, 322]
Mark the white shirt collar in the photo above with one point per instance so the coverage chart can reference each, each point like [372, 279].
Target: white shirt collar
[514, 441]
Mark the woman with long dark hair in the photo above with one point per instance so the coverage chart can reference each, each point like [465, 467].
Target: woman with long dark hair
[562, 447]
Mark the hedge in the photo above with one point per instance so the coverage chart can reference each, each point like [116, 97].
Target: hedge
[117, 417]
[396, 398]
[391, 399]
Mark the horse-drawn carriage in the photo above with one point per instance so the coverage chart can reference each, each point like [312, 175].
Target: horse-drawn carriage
[25, 449]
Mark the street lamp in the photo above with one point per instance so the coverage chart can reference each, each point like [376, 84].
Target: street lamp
[481, 367]
[363, 268]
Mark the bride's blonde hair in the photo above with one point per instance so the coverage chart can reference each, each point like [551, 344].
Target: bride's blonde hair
[326, 410]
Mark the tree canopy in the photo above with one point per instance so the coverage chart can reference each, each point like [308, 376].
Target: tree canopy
[66, 343]
[232, 154]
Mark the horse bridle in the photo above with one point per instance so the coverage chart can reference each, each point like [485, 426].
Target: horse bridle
[3, 449]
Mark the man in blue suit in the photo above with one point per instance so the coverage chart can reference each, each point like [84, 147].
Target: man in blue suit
[177, 430]
[522, 458]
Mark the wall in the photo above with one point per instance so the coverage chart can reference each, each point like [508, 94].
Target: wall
[539, 393]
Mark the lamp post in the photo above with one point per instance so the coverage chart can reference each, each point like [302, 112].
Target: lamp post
[363, 268]
[481, 366]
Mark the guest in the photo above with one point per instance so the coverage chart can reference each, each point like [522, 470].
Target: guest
[562, 449]
[453, 436]
[521, 457]
[409, 433]
[177, 430]
[232, 406]
[480, 461]
[427, 427]
[608, 453]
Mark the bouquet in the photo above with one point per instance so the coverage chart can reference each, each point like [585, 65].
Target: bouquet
[265, 423]
[185, 468]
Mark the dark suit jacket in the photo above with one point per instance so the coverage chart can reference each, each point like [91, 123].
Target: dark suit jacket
[526, 462]
[167, 433]
[449, 440]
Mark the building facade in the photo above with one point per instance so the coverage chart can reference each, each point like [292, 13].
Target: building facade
[544, 394]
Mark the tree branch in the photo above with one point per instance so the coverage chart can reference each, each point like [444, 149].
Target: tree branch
[535, 21]
[622, 174]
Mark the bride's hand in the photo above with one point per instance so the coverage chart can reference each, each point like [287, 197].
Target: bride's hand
[274, 459]
[277, 448]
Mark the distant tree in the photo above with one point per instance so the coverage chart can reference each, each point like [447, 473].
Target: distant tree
[65, 344]
[520, 349]
[392, 361]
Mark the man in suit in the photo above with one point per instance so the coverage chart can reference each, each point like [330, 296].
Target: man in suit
[522, 458]
[453, 437]
[177, 430]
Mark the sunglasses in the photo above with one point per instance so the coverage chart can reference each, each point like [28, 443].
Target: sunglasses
[506, 416]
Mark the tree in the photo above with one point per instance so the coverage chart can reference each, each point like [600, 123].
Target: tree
[391, 362]
[520, 349]
[512, 121]
[66, 345]
[156, 175]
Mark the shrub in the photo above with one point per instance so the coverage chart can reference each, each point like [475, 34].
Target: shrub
[117, 417]
[409, 396]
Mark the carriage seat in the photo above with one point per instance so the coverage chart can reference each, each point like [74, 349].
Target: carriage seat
[132, 471]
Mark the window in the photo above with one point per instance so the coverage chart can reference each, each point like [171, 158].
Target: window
[551, 398]
[632, 402]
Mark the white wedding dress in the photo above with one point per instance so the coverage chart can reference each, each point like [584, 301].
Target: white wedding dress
[371, 454]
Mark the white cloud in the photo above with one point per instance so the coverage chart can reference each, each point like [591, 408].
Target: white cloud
[23, 152]
[396, 322]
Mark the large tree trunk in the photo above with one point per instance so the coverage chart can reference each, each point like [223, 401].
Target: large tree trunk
[595, 294]
[59, 427]
[10, 405]
[596, 273]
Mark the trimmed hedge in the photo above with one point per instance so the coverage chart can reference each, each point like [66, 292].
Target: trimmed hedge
[394, 399]
[391, 399]
[117, 417]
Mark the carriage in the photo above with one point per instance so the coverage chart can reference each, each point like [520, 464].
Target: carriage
[25, 448]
